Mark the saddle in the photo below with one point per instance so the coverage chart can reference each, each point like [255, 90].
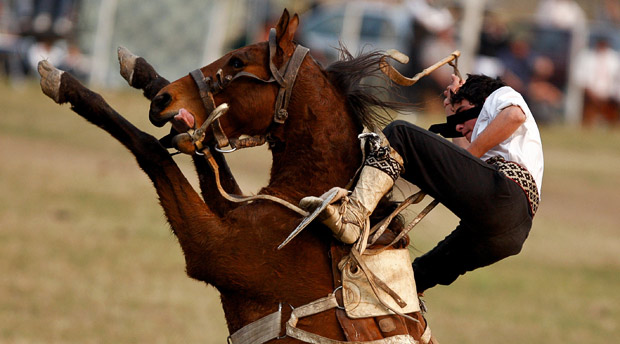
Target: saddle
[358, 328]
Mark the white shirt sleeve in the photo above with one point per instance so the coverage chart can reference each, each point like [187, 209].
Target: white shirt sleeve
[524, 146]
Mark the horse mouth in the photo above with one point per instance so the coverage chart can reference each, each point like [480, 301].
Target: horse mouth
[181, 120]
[160, 119]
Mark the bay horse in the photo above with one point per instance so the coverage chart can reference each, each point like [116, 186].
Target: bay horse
[233, 246]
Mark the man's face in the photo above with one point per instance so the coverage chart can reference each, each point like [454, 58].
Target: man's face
[467, 127]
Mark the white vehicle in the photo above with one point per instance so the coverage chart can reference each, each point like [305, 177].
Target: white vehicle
[360, 26]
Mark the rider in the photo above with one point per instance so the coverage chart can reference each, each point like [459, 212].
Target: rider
[490, 177]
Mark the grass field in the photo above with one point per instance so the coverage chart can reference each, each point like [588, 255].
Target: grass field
[87, 257]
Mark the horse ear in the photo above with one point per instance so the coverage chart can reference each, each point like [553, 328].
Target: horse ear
[285, 31]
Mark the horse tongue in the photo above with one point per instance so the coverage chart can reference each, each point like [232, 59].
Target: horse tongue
[185, 117]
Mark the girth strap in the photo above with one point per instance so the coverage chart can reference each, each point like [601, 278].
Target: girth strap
[268, 327]
[260, 331]
[321, 305]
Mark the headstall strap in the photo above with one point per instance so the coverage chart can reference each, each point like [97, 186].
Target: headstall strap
[285, 77]
[204, 85]
[272, 53]
[286, 82]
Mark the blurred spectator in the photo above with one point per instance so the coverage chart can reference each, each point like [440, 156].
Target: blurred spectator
[543, 97]
[45, 17]
[49, 49]
[597, 71]
[518, 62]
[435, 48]
[41, 29]
[60, 53]
[560, 14]
[433, 19]
[494, 38]
[609, 12]
[434, 40]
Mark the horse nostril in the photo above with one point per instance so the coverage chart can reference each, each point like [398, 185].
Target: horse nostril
[160, 102]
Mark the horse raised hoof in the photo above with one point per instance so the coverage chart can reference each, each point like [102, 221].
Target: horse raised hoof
[50, 80]
[127, 60]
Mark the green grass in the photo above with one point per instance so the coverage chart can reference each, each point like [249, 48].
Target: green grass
[86, 254]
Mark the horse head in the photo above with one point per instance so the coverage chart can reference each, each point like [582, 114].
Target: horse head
[276, 93]
[251, 80]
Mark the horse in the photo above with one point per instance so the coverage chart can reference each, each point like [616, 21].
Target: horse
[312, 134]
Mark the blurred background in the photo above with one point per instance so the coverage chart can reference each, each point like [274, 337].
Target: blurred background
[85, 252]
[541, 48]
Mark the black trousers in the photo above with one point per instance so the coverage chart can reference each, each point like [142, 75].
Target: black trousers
[494, 211]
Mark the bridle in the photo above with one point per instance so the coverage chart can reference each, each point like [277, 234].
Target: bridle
[208, 87]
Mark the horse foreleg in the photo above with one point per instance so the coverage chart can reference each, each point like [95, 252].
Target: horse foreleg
[64, 88]
[198, 229]
[209, 190]
[141, 75]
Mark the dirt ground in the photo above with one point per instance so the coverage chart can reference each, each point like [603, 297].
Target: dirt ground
[86, 255]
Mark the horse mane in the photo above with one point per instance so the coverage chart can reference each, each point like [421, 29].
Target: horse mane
[365, 87]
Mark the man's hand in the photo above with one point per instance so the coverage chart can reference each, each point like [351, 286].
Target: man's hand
[452, 88]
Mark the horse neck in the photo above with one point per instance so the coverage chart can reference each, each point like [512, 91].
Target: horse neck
[320, 148]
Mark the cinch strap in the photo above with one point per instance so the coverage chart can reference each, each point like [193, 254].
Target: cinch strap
[260, 331]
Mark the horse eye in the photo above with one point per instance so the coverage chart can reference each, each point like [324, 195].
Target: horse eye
[236, 62]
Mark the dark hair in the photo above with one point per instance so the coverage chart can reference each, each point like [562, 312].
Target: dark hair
[477, 88]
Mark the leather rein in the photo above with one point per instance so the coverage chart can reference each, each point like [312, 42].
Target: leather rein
[207, 87]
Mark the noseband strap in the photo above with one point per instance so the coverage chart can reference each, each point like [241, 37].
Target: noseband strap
[285, 77]
[205, 90]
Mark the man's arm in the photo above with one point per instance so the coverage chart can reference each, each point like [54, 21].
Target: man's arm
[504, 125]
[461, 142]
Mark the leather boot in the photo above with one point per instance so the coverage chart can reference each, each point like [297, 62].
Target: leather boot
[347, 219]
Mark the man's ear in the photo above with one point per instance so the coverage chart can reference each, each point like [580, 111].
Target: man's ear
[285, 31]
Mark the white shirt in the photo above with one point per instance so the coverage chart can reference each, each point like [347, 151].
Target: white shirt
[561, 14]
[524, 145]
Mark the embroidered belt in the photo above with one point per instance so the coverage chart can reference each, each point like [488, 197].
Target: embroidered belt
[521, 176]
